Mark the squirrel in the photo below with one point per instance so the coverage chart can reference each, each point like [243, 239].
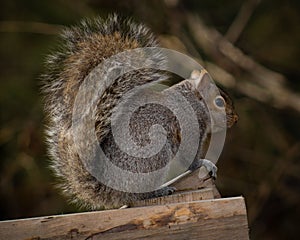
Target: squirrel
[82, 48]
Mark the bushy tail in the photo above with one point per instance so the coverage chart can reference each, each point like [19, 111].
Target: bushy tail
[81, 49]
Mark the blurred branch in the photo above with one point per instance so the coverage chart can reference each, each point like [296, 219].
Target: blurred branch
[256, 81]
[241, 20]
[30, 27]
[272, 181]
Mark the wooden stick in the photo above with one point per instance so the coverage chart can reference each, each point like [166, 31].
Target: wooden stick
[209, 219]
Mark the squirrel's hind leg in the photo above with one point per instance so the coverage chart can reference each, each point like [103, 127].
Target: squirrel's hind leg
[164, 191]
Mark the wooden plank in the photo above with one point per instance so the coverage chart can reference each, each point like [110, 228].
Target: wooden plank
[223, 218]
[177, 197]
[196, 180]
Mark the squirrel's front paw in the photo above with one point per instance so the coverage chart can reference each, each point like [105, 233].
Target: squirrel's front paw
[210, 167]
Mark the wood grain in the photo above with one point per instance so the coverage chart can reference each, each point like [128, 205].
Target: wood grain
[223, 218]
[190, 196]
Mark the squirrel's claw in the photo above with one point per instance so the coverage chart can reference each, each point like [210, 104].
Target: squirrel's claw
[210, 167]
[164, 191]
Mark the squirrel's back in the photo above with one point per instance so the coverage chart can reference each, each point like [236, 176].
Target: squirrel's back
[82, 48]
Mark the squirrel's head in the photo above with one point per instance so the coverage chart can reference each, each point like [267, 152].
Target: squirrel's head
[216, 99]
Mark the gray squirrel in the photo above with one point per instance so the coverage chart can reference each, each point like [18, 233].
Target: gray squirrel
[81, 49]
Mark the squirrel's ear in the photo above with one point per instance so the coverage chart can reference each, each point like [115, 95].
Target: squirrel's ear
[200, 79]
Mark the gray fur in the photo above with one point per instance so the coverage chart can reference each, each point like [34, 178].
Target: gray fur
[66, 69]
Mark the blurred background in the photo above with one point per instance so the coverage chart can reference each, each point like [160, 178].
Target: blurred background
[250, 47]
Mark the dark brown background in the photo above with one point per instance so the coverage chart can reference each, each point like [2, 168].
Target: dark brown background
[261, 158]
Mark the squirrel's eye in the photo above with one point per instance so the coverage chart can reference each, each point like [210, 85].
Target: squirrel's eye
[220, 102]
